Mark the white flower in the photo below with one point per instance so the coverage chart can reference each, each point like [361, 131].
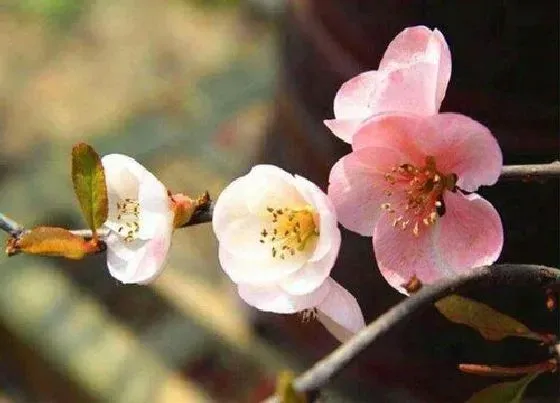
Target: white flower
[279, 240]
[140, 220]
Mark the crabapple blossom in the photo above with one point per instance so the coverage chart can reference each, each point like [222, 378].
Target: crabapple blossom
[140, 220]
[407, 184]
[412, 77]
[278, 241]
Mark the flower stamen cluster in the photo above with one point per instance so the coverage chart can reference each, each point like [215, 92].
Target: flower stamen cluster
[293, 230]
[128, 211]
[423, 188]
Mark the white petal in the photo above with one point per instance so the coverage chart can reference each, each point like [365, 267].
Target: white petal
[271, 186]
[154, 205]
[231, 205]
[313, 273]
[242, 269]
[274, 299]
[122, 174]
[340, 313]
[325, 217]
[139, 261]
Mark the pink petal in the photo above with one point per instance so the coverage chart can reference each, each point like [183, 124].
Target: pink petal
[410, 88]
[340, 313]
[313, 273]
[343, 128]
[357, 184]
[462, 146]
[353, 98]
[395, 131]
[274, 299]
[470, 234]
[420, 43]
[401, 255]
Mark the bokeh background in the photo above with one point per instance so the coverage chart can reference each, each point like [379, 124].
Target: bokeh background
[198, 91]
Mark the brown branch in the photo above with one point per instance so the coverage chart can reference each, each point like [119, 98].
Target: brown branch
[500, 275]
[529, 172]
[204, 214]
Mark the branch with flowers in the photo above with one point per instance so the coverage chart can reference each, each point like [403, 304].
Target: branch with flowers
[409, 183]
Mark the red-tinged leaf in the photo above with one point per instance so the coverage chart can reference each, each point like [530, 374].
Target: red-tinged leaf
[90, 187]
[285, 389]
[52, 241]
[504, 392]
[491, 324]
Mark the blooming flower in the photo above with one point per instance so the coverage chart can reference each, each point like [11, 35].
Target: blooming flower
[140, 220]
[279, 239]
[406, 183]
[412, 77]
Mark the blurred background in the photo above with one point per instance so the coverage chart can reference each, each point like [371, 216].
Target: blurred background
[198, 91]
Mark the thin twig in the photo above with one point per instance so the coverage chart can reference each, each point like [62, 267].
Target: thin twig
[528, 172]
[508, 274]
[10, 226]
[509, 172]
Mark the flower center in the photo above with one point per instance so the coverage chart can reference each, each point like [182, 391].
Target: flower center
[424, 188]
[127, 216]
[291, 230]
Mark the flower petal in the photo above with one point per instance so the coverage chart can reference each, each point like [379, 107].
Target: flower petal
[139, 261]
[324, 217]
[409, 88]
[154, 203]
[245, 269]
[274, 299]
[343, 128]
[357, 186]
[421, 43]
[271, 186]
[313, 273]
[340, 313]
[470, 234]
[463, 146]
[352, 99]
[401, 255]
[231, 205]
[397, 131]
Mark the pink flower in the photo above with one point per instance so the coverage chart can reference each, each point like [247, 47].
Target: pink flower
[279, 239]
[406, 183]
[412, 78]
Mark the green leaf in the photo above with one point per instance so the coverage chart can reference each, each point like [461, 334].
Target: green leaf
[504, 392]
[491, 324]
[88, 177]
[285, 391]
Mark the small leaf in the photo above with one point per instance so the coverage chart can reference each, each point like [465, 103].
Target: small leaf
[52, 241]
[504, 392]
[491, 324]
[285, 389]
[88, 177]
